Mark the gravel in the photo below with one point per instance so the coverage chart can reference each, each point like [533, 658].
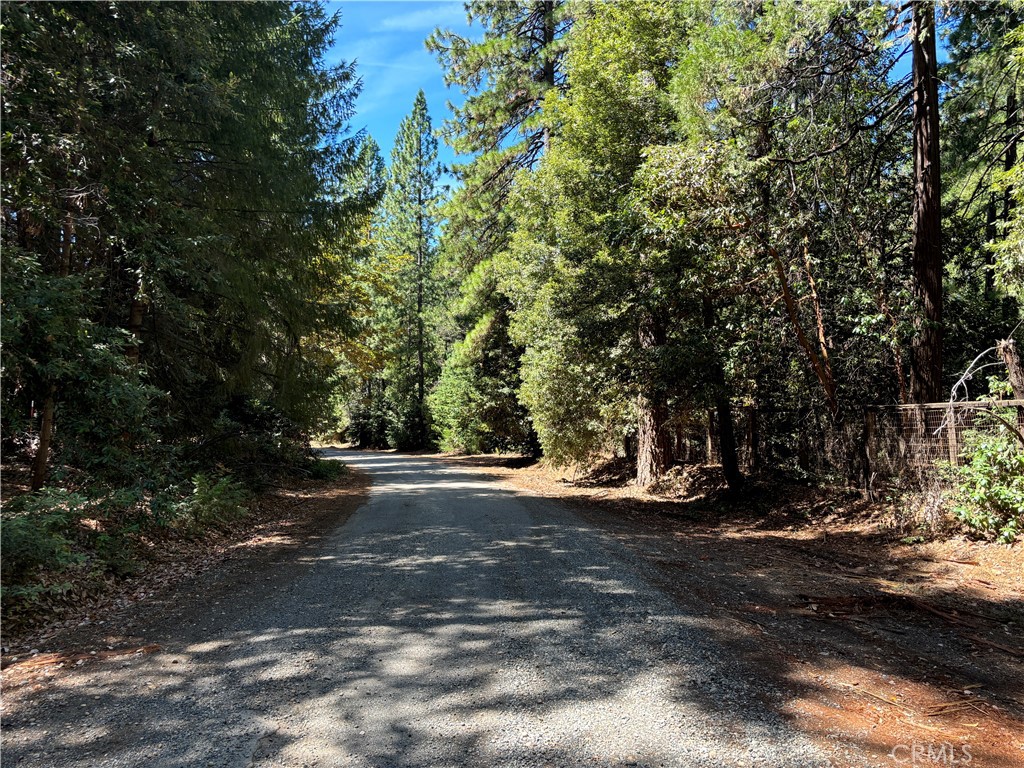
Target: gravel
[449, 622]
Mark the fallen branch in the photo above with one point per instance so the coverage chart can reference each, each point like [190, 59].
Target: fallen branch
[1000, 646]
[922, 605]
[876, 696]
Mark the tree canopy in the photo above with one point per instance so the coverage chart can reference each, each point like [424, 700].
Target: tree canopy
[687, 231]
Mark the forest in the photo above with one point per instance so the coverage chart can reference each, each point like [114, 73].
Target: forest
[687, 232]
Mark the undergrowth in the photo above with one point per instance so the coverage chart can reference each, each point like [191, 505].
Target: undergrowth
[80, 534]
[987, 493]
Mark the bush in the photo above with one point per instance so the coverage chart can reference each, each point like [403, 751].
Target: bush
[37, 533]
[213, 503]
[254, 442]
[988, 489]
[326, 469]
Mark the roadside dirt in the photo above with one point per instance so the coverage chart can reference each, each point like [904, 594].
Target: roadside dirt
[187, 575]
[911, 654]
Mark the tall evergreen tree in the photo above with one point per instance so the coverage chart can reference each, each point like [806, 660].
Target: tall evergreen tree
[927, 257]
[406, 242]
[172, 198]
[505, 74]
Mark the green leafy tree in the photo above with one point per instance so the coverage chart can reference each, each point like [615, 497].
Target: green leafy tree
[593, 276]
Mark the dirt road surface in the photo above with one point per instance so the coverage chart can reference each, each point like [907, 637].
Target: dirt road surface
[451, 621]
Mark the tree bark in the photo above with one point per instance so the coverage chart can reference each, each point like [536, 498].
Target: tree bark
[926, 354]
[818, 358]
[991, 233]
[753, 441]
[727, 434]
[421, 417]
[547, 8]
[654, 452]
[1012, 121]
[41, 462]
[1008, 351]
[654, 445]
[136, 312]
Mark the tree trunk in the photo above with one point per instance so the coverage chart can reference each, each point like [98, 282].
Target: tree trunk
[727, 434]
[654, 444]
[1008, 351]
[548, 75]
[710, 437]
[753, 441]
[926, 355]
[42, 457]
[421, 416]
[136, 312]
[41, 461]
[654, 451]
[1012, 121]
[991, 233]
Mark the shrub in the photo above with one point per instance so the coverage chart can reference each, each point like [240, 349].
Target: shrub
[326, 469]
[988, 488]
[213, 503]
[37, 533]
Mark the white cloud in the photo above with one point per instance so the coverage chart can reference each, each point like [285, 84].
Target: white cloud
[424, 19]
[388, 82]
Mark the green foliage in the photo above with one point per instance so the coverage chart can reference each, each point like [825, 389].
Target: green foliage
[253, 441]
[326, 469]
[153, 271]
[586, 281]
[37, 533]
[505, 77]
[1009, 249]
[395, 362]
[474, 404]
[505, 74]
[183, 201]
[213, 502]
[987, 492]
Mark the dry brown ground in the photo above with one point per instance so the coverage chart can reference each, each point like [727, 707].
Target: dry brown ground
[881, 645]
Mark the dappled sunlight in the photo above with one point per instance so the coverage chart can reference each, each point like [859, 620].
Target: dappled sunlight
[434, 634]
[456, 622]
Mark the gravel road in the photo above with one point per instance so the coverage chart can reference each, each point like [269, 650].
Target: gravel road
[452, 621]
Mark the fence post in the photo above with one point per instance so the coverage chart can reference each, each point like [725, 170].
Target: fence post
[951, 437]
[870, 451]
[753, 440]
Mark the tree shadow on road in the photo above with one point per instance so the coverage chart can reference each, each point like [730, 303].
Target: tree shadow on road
[536, 639]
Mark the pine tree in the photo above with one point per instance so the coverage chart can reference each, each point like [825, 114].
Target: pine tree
[406, 243]
[505, 75]
[174, 230]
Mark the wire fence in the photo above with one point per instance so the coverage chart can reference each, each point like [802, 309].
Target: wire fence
[868, 447]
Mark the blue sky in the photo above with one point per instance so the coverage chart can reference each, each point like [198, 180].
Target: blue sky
[386, 40]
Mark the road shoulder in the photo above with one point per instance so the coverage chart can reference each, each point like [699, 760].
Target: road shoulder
[271, 547]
